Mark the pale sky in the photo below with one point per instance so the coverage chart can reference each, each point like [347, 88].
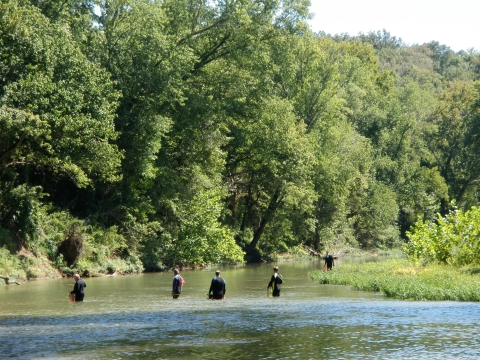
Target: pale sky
[452, 23]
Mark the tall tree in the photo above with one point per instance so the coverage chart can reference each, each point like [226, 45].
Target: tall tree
[268, 166]
[57, 109]
[451, 140]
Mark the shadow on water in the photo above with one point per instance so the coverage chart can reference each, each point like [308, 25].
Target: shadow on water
[133, 317]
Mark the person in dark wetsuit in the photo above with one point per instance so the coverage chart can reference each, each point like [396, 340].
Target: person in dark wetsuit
[217, 287]
[275, 282]
[177, 284]
[78, 288]
[329, 262]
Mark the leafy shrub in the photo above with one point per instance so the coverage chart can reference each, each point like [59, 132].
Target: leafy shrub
[196, 237]
[21, 207]
[453, 239]
[10, 265]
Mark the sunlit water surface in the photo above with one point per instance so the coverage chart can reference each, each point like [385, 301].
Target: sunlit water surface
[134, 317]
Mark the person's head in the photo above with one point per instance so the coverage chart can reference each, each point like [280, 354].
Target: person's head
[76, 277]
[217, 273]
[175, 271]
[275, 269]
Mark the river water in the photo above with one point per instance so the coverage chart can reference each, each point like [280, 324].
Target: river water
[134, 317]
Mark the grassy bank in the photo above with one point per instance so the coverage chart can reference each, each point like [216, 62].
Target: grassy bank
[401, 280]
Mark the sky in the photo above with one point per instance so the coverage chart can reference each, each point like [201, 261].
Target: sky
[455, 23]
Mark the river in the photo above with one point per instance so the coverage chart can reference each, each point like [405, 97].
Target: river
[134, 317]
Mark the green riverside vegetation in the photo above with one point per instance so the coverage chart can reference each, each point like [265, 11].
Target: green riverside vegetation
[400, 279]
[139, 135]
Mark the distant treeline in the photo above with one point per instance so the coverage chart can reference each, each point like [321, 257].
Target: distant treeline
[140, 134]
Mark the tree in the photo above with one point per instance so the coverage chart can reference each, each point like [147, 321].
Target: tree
[78, 15]
[56, 109]
[200, 237]
[268, 166]
[450, 140]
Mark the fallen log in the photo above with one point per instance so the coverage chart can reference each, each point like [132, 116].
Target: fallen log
[8, 281]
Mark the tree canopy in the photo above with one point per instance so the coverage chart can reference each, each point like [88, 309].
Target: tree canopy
[175, 132]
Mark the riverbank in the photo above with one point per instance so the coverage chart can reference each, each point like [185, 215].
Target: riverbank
[24, 265]
[399, 279]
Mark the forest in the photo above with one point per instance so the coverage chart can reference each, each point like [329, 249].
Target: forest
[137, 135]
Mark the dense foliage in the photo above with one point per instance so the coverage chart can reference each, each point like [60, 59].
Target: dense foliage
[453, 239]
[139, 134]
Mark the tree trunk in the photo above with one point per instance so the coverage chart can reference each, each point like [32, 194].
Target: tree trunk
[272, 206]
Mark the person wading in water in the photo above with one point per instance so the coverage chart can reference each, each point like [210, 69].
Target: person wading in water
[275, 282]
[78, 288]
[329, 262]
[217, 287]
[178, 282]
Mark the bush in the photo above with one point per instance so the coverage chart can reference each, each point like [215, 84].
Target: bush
[454, 239]
[10, 265]
[98, 250]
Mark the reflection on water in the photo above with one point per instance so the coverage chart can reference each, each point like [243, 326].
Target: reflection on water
[134, 317]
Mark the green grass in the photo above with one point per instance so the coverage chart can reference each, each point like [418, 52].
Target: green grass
[401, 280]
